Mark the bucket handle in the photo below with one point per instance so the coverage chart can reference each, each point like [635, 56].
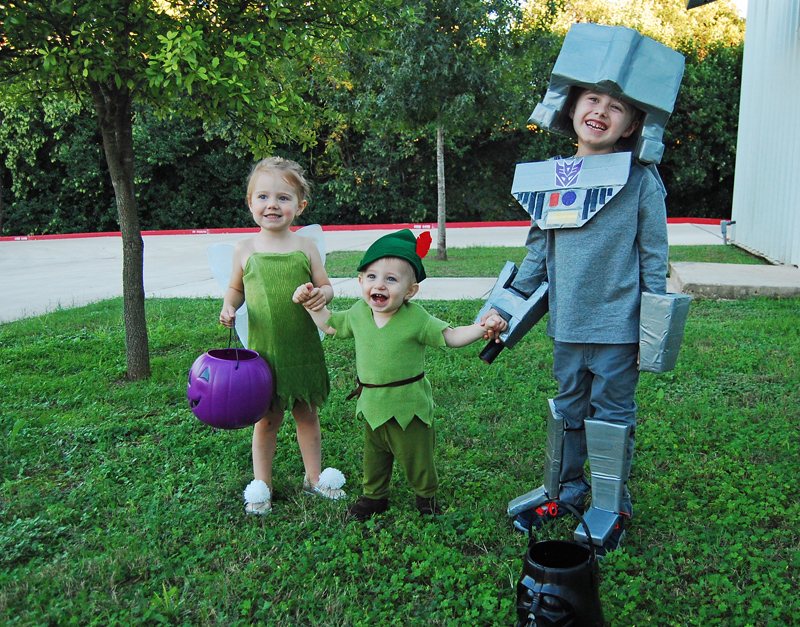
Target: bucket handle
[574, 511]
[231, 335]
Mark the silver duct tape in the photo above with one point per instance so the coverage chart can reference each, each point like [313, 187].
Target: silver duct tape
[600, 522]
[662, 321]
[607, 448]
[607, 492]
[521, 312]
[624, 63]
[530, 500]
[554, 449]
[553, 455]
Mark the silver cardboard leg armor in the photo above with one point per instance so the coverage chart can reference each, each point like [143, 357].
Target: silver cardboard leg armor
[553, 456]
[607, 447]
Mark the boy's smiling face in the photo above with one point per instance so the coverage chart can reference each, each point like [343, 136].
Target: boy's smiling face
[600, 121]
[386, 284]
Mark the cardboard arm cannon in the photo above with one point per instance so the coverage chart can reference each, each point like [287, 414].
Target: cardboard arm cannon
[520, 311]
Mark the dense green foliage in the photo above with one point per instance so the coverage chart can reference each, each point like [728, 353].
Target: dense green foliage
[237, 62]
[54, 170]
[117, 507]
[667, 21]
[59, 177]
[369, 163]
[700, 138]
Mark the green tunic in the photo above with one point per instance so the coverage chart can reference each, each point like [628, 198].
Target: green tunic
[281, 331]
[392, 353]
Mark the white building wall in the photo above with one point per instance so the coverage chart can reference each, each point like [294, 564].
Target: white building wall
[766, 196]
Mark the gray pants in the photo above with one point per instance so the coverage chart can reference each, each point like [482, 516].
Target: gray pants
[595, 381]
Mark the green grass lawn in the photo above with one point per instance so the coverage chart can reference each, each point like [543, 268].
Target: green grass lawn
[118, 507]
[480, 261]
[714, 254]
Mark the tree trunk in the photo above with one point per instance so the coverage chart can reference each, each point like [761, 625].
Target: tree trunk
[441, 241]
[113, 107]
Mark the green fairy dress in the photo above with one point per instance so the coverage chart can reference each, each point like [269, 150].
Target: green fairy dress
[281, 331]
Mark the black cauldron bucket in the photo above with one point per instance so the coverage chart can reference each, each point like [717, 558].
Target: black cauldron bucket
[559, 586]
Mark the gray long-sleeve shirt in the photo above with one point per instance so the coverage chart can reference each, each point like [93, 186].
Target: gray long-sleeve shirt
[598, 272]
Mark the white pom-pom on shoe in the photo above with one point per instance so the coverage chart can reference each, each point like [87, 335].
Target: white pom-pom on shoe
[329, 485]
[256, 492]
[331, 478]
[257, 498]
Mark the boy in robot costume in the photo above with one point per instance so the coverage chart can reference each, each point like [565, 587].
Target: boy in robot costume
[598, 240]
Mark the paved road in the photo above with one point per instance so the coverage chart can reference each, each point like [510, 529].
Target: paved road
[37, 276]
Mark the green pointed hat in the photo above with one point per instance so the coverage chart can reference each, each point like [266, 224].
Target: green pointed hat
[401, 244]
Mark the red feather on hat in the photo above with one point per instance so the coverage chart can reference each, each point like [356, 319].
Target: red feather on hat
[424, 243]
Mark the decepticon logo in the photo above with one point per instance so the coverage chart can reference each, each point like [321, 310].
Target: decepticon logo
[567, 171]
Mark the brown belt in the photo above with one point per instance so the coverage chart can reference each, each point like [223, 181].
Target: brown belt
[394, 384]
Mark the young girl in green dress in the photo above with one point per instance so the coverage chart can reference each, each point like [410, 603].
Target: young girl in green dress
[395, 399]
[266, 269]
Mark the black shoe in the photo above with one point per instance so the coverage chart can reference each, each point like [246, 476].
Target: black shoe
[365, 508]
[538, 517]
[427, 507]
[617, 534]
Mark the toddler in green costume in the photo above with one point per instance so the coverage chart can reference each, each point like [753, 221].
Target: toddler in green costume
[394, 397]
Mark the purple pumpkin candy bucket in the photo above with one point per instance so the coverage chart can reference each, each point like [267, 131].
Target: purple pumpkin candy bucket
[229, 388]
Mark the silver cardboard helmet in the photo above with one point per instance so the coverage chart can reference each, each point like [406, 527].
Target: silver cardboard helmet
[623, 63]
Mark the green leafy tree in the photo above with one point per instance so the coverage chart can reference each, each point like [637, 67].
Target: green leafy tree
[700, 139]
[243, 61]
[188, 175]
[667, 21]
[442, 68]
[53, 152]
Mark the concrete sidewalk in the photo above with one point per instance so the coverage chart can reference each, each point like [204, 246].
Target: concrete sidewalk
[37, 276]
[734, 281]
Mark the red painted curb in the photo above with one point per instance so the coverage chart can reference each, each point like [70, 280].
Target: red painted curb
[332, 227]
[693, 221]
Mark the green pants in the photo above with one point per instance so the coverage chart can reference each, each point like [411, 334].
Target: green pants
[413, 449]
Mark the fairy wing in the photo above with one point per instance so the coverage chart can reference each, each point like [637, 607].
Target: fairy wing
[220, 258]
[314, 231]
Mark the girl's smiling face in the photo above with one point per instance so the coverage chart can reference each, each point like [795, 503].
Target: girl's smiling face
[274, 202]
[600, 121]
[386, 284]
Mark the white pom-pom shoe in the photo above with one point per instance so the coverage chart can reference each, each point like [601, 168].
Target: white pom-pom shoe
[329, 485]
[257, 499]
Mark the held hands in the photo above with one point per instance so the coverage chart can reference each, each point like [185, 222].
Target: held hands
[494, 325]
[312, 298]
